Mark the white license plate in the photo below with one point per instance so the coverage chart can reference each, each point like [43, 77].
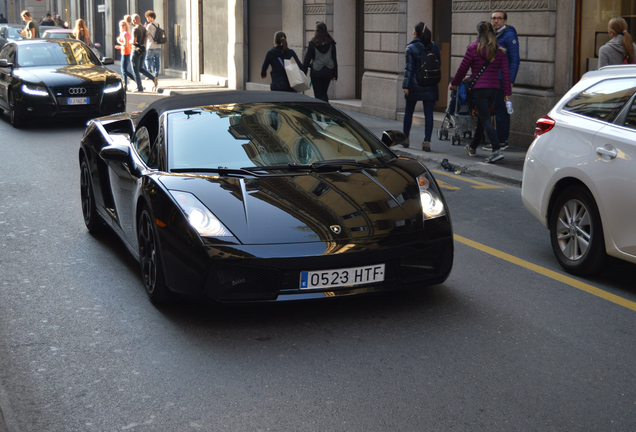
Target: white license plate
[79, 101]
[341, 277]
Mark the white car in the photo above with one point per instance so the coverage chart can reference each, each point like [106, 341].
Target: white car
[579, 176]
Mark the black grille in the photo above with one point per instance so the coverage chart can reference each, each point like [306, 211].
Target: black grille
[241, 282]
[64, 91]
[434, 261]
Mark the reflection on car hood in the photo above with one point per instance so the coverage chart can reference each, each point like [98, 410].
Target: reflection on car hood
[64, 75]
[309, 207]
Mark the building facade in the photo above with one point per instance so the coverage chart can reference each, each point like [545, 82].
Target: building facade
[224, 42]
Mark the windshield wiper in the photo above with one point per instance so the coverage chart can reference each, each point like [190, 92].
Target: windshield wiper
[218, 170]
[342, 162]
[332, 163]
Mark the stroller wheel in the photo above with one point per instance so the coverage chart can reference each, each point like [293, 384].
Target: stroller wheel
[456, 140]
[445, 134]
[440, 134]
[467, 134]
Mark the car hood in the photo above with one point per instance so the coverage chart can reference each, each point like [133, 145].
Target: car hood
[65, 75]
[311, 207]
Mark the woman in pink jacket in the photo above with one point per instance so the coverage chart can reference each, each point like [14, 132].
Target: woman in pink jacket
[485, 51]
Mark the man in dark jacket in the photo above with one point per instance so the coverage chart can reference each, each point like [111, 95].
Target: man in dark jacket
[508, 40]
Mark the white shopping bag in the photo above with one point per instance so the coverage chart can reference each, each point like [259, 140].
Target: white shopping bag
[297, 78]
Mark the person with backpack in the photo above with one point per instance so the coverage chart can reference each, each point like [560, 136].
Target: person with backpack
[140, 35]
[321, 57]
[486, 59]
[153, 47]
[621, 48]
[421, 76]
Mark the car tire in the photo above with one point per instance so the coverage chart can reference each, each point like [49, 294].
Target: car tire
[93, 221]
[150, 259]
[17, 121]
[576, 232]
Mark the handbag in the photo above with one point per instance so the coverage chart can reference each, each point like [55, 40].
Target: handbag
[297, 78]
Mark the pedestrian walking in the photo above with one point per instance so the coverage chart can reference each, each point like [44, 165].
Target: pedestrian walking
[417, 52]
[275, 58]
[31, 29]
[80, 32]
[620, 48]
[508, 40]
[129, 20]
[139, 54]
[485, 59]
[125, 46]
[47, 21]
[321, 57]
[153, 49]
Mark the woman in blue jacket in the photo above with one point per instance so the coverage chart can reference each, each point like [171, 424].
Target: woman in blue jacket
[276, 59]
[413, 92]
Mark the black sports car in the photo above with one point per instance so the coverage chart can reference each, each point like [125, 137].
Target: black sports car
[250, 196]
[57, 77]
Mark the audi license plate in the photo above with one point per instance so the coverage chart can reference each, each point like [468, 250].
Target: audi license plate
[341, 277]
[78, 101]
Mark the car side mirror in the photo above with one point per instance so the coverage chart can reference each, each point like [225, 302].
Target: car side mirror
[393, 137]
[116, 153]
[108, 60]
[5, 63]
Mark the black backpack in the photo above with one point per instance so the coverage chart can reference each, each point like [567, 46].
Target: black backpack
[160, 35]
[430, 72]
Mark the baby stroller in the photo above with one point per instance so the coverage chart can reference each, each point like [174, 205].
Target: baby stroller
[458, 117]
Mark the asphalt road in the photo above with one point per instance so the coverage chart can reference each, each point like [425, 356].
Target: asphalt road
[507, 343]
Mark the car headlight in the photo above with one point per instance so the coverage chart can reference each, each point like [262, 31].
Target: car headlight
[34, 90]
[201, 219]
[432, 203]
[112, 88]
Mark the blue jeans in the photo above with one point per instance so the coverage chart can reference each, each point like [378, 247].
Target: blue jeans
[153, 58]
[502, 118]
[428, 117]
[125, 69]
[138, 68]
[484, 98]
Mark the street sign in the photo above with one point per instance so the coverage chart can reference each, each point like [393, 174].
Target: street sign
[101, 8]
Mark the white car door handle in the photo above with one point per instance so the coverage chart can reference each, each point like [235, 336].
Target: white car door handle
[607, 152]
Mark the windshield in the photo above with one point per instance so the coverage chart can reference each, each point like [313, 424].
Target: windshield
[63, 53]
[13, 33]
[267, 135]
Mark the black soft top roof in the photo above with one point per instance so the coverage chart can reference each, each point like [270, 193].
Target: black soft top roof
[222, 98]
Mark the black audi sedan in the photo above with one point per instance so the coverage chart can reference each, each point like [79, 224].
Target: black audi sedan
[55, 78]
[262, 196]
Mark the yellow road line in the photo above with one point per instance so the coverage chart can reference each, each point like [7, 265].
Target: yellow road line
[549, 273]
[142, 105]
[478, 184]
[446, 185]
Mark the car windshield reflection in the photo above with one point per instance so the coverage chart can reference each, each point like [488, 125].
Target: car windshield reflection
[268, 136]
[55, 54]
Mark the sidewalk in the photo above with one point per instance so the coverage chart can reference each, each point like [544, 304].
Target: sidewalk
[506, 171]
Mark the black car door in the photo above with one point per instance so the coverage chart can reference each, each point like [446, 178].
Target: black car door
[125, 184]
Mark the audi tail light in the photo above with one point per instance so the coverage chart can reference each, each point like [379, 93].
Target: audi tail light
[544, 124]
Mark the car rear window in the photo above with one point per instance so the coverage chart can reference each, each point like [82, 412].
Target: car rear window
[603, 100]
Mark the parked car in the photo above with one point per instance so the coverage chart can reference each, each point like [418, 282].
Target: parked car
[579, 175]
[56, 32]
[55, 78]
[262, 196]
[9, 32]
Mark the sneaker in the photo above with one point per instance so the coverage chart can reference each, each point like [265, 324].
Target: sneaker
[488, 147]
[495, 157]
[426, 146]
[471, 151]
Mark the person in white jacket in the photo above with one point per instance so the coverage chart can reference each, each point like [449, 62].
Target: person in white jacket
[153, 49]
[621, 46]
